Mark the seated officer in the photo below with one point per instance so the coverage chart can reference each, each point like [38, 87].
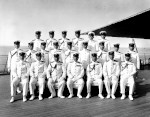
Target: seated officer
[56, 74]
[69, 53]
[37, 73]
[128, 71]
[94, 76]
[21, 76]
[75, 73]
[111, 72]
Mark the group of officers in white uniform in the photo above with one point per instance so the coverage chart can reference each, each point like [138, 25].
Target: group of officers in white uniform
[73, 62]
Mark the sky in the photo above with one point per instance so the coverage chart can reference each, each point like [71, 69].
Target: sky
[19, 19]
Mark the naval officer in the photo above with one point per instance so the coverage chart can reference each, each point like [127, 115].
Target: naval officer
[77, 42]
[69, 53]
[56, 74]
[75, 73]
[94, 76]
[38, 74]
[13, 57]
[128, 71]
[37, 41]
[20, 77]
[107, 46]
[49, 42]
[63, 41]
[30, 54]
[111, 72]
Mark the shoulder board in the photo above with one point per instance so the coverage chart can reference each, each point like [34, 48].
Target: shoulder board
[88, 49]
[67, 39]
[59, 49]
[26, 62]
[79, 62]
[81, 39]
[47, 40]
[115, 61]
[34, 51]
[46, 51]
[41, 39]
[26, 51]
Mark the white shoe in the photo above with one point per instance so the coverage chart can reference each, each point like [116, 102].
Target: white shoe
[24, 99]
[113, 96]
[32, 98]
[52, 96]
[70, 96]
[88, 96]
[123, 97]
[131, 97]
[40, 97]
[108, 96]
[79, 96]
[101, 96]
[12, 99]
[61, 96]
[18, 90]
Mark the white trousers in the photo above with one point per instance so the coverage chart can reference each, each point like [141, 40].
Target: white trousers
[34, 82]
[111, 81]
[79, 84]
[56, 85]
[127, 82]
[91, 82]
[16, 82]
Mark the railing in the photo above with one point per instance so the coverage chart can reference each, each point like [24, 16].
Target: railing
[3, 64]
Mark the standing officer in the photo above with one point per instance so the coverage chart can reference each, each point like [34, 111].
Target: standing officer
[102, 55]
[63, 41]
[37, 41]
[38, 73]
[20, 77]
[134, 56]
[94, 76]
[56, 74]
[30, 54]
[103, 38]
[111, 72]
[69, 53]
[75, 73]
[118, 56]
[45, 53]
[49, 42]
[128, 71]
[13, 57]
[56, 50]
[91, 42]
[77, 42]
[85, 57]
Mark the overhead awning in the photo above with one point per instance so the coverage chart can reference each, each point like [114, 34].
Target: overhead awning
[136, 26]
